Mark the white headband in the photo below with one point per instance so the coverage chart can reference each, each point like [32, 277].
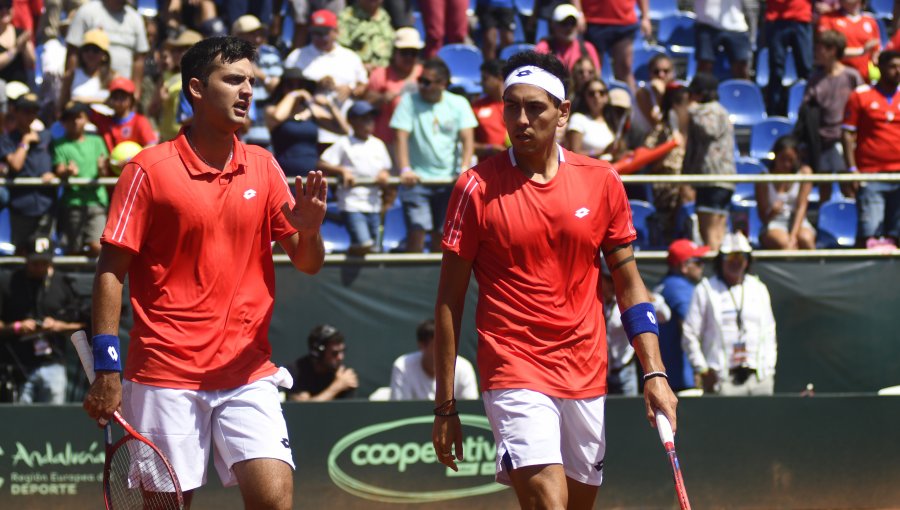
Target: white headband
[533, 75]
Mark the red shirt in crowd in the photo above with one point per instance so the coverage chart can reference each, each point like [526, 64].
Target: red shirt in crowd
[491, 129]
[535, 251]
[201, 278]
[876, 121]
[25, 12]
[858, 30]
[385, 79]
[789, 10]
[609, 12]
[134, 127]
[570, 53]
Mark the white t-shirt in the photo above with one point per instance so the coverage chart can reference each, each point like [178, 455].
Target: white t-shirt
[410, 382]
[125, 29]
[722, 14]
[341, 64]
[88, 88]
[366, 158]
[597, 135]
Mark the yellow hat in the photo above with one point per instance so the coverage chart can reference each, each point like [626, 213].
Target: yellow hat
[185, 39]
[98, 38]
[245, 24]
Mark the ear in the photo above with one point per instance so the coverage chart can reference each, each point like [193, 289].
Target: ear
[195, 89]
[565, 108]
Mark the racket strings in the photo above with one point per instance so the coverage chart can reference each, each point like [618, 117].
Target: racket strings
[140, 479]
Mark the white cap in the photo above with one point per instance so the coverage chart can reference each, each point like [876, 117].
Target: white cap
[736, 242]
[564, 11]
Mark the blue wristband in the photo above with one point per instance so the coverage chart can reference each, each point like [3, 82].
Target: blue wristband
[640, 318]
[106, 353]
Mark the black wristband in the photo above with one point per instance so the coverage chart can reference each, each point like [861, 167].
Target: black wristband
[651, 375]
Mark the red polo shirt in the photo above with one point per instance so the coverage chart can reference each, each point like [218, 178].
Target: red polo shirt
[610, 12]
[789, 10]
[202, 280]
[858, 30]
[877, 125]
[491, 128]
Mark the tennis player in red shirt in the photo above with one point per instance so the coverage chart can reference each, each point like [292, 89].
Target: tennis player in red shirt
[532, 223]
[192, 223]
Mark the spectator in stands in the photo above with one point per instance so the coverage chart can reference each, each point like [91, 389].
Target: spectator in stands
[583, 71]
[622, 376]
[360, 155]
[498, 22]
[27, 154]
[861, 32]
[302, 10]
[52, 62]
[90, 83]
[51, 22]
[83, 155]
[428, 125]
[729, 330]
[17, 56]
[648, 113]
[612, 26]
[366, 29]
[267, 69]
[169, 92]
[710, 151]
[871, 136]
[782, 205]
[722, 23]
[335, 69]
[685, 261]
[294, 117]
[822, 110]
[387, 84]
[490, 135]
[446, 21]
[39, 308]
[125, 123]
[591, 130]
[412, 376]
[788, 26]
[127, 34]
[321, 375]
[565, 42]
[668, 198]
[192, 14]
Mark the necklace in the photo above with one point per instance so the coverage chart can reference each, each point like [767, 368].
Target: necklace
[197, 152]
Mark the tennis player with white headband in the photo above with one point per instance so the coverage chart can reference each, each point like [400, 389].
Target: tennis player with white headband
[531, 223]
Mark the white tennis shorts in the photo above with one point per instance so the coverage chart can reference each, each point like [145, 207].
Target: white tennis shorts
[244, 423]
[531, 429]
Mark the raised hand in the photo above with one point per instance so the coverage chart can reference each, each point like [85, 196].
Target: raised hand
[309, 211]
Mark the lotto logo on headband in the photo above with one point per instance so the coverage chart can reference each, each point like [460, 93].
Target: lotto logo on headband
[523, 73]
[535, 76]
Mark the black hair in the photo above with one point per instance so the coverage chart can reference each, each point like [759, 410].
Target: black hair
[545, 61]
[493, 68]
[656, 58]
[705, 86]
[886, 56]
[833, 39]
[581, 106]
[200, 60]
[425, 331]
[673, 97]
[439, 66]
[321, 336]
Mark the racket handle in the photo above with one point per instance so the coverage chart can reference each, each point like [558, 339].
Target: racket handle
[83, 348]
[665, 429]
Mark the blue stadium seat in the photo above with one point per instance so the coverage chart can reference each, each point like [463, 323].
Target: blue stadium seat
[642, 56]
[882, 30]
[745, 217]
[837, 224]
[419, 24]
[287, 27]
[745, 192]
[512, 49]
[543, 29]
[606, 67]
[764, 135]
[762, 68]
[464, 61]
[685, 220]
[640, 211]
[38, 67]
[148, 8]
[393, 238]
[882, 8]
[795, 98]
[335, 236]
[744, 102]
[6, 247]
[676, 32]
[525, 7]
[660, 9]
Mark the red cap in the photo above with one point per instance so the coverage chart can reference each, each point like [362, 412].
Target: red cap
[682, 250]
[121, 83]
[323, 18]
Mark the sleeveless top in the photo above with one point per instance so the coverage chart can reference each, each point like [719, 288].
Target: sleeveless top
[296, 146]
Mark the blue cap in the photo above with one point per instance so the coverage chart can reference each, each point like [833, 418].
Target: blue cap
[360, 108]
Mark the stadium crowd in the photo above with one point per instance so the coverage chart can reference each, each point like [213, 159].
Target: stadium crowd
[367, 90]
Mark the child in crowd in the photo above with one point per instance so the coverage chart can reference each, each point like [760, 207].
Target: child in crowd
[79, 154]
[360, 155]
[125, 123]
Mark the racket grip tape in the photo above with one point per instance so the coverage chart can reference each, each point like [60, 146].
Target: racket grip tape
[85, 354]
[665, 429]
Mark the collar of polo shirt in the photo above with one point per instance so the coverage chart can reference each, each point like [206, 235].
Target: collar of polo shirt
[197, 166]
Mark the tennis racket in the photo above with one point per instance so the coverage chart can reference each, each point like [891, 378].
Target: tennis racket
[668, 440]
[136, 475]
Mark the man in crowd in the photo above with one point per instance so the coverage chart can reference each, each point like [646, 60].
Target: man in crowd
[565, 42]
[861, 32]
[612, 27]
[387, 84]
[788, 26]
[722, 24]
[412, 377]
[428, 125]
[321, 375]
[365, 28]
[490, 135]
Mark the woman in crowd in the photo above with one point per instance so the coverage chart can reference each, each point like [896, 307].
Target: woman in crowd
[782, 205]
[590, 130]
[90, 83]
[648, 113]
[294, 118]
[17, 56]
[583, 71]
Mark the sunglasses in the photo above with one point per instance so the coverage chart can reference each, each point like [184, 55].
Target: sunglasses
[696, 261]
[425, 82]
[598, 92]
[408, 52]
